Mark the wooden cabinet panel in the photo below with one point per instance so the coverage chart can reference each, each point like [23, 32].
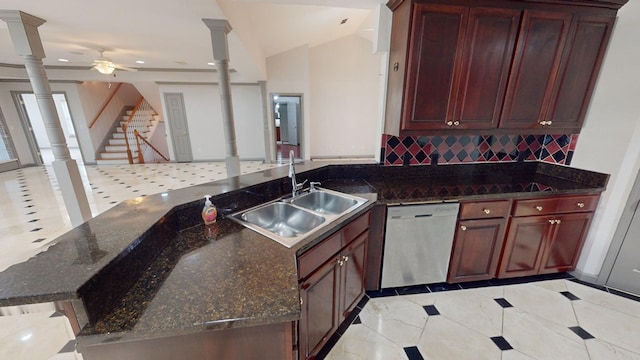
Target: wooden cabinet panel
[578, 203]
[535, 66]
[476, 250]
[352, 274]
[581, 66]
[523, 246]
[484, 209]
[563, 249]
[534, 207]
[488, 48]
[355, 228]
[433, 68]
[332, 283]
[319, 254]
[319, 303]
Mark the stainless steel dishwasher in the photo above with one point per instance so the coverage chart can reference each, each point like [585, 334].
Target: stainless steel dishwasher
[418, 244]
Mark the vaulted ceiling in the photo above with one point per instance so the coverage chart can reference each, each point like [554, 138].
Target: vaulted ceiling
[169, 35]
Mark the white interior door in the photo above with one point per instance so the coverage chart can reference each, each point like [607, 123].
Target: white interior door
[177, 119]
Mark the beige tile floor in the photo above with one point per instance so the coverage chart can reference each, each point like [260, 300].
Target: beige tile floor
[553, 319]
[537, 326]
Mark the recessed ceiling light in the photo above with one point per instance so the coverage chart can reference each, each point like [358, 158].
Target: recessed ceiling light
[211, 64]
[139, 61]
[344, 21]
[181, 62]
[63, 60]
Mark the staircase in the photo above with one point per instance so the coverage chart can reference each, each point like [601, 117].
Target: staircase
[116, 151]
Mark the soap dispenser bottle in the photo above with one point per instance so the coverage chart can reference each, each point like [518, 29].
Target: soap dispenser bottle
[209, 212]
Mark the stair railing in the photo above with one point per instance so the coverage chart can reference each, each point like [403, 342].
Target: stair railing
[144, 146]
[137, 123]
[105, 105]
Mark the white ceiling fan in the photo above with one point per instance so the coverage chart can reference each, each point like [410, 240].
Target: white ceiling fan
[106, 66]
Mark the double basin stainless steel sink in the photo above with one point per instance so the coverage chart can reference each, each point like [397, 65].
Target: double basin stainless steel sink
[289, 221]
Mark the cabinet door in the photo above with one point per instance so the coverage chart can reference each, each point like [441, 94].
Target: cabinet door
[435, 54]
[524, 246]
[537, 58]
[563, 249]
[352, 268]
[488, 50]
[319, 303]
[581, 64]
[476, 250]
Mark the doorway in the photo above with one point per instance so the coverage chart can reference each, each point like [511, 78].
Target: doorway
[33, 124]
[287, 116]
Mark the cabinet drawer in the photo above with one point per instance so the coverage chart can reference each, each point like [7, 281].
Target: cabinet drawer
[355, 228]
[319, 254]
[578, 203]
[533, 207]
[484, 209]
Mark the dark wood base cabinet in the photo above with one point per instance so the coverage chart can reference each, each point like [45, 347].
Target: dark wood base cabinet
[543, 235]
[332, 282]
[549, 242]
[478, 241]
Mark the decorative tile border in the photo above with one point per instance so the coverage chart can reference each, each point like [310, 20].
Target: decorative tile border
[425, 150]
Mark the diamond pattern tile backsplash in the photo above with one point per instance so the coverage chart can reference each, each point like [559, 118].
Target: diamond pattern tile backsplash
[451, 149]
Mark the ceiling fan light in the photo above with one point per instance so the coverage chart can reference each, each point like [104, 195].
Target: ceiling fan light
[105, 68]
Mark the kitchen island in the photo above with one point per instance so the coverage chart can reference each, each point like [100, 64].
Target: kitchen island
[147, 271]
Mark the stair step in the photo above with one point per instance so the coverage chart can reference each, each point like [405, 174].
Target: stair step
[117, 141]
[115, 161]
[115, 148]
[113, 155]
[117, 135]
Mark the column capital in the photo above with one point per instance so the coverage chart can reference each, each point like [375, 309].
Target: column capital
[218, 25]
[23, 29]
[219, 29]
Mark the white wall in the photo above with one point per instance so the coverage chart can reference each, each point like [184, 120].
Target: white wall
[93, 94]
[345, 82]
[204, 117]
[288, 73]
[340, 85]
[609, 141]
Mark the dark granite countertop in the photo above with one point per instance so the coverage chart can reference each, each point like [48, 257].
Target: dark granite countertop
[148, 267]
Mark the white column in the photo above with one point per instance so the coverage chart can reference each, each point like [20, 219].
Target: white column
[23, 29]
[269, 127]
[219, 30]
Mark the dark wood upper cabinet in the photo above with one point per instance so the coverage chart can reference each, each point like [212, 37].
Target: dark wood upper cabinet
[488, 47]
[434, 64]
[579, 71]
[494, 66]
[535, 66]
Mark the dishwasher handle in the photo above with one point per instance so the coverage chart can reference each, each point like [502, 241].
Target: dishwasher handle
[401, 217]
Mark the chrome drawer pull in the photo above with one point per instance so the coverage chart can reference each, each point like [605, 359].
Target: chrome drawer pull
[487, 211]
[580, 204]
[539, 208]
[463, 228]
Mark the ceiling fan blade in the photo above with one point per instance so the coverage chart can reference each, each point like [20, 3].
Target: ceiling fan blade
[126, 68]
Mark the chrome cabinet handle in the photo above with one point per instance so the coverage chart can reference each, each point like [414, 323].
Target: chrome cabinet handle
[555, 221]
[539, 208]
[456, 123]
[463, 228]
[546, 123]
[580, 204]
[487, 211]
[449, 123]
